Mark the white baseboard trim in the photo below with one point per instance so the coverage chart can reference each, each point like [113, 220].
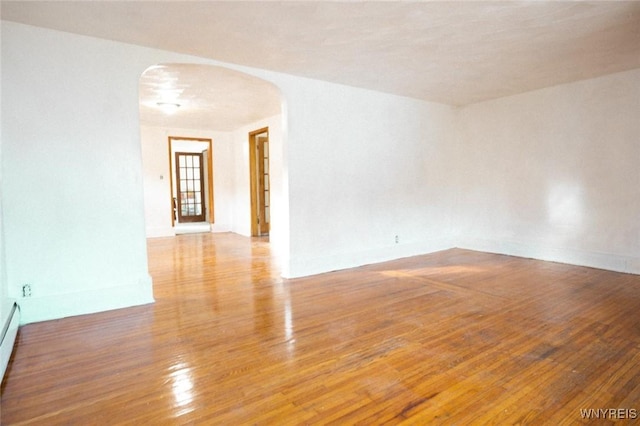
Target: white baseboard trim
[192, 228]
[8, 332]
[44, 308]
[219, 229]
[607, 261]
[306, 266]
[160, 232]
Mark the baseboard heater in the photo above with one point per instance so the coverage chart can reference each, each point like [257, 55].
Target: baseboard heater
[10, 323]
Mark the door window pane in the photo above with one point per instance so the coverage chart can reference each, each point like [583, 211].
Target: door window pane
[190, 186]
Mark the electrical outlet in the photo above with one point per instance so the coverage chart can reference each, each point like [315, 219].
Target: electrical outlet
[397, 239]
[26, 290]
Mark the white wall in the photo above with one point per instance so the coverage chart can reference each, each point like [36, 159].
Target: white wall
[363, 168]
[4, 299]
[3, 269]
[554, 174]
[73, 205]
[5, 302]
[157, 191]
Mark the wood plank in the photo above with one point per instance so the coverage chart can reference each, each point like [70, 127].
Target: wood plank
[455, 337]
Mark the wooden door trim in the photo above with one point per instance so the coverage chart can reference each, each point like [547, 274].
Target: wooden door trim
[211, 213]
[252, 178]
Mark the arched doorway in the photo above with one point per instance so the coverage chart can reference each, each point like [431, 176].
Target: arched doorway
[204, 102]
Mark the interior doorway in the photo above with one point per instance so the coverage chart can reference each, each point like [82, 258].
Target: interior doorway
[222, 104]
[260, 182]
[191, 182]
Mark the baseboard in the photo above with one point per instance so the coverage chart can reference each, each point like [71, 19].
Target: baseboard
[8, 332]
[160, 232]
[607, 261]
[306, 266]
[220, 229]
[44, 308]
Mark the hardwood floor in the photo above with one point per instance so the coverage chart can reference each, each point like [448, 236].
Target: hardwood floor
[455, 337]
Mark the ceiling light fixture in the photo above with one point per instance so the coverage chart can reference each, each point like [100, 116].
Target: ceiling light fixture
[168, 107]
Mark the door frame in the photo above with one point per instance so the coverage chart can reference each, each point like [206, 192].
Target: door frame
[255, 230]
[209, 195]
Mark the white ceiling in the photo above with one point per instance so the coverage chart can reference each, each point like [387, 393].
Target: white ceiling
[451, 52]
[209, 97]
